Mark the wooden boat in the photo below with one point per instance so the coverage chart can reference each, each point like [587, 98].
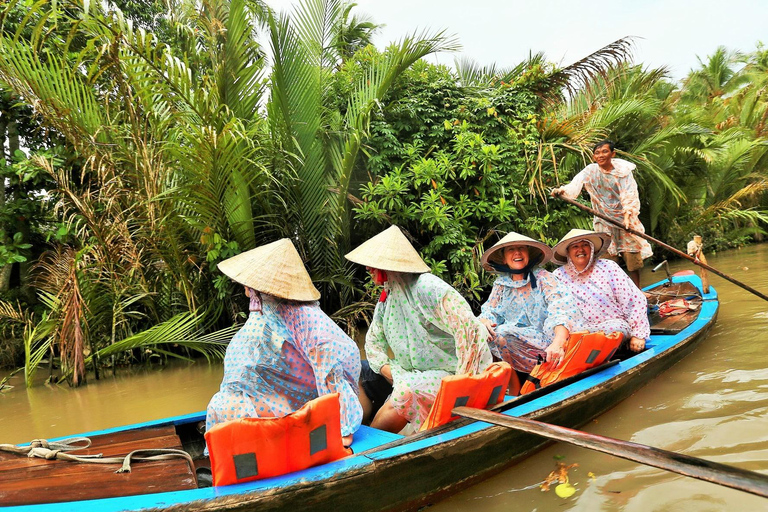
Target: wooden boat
[387, 472]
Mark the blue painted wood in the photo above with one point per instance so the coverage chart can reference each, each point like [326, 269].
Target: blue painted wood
[367, 438]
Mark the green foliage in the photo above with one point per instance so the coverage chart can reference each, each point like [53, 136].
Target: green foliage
[451, 167]
[164, 142]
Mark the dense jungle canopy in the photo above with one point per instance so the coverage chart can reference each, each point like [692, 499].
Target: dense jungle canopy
[144, 142]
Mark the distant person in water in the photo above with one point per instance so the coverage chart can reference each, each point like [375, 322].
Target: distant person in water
[426, 324]
[607, 298]
[613, 192]
[529, 313]
[289, 351]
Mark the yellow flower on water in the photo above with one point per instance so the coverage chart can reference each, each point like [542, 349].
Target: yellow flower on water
[565, 490]
[591, 475]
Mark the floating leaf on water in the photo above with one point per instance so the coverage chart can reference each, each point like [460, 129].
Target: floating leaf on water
[559, 457]
[565, 490]
[559, 474]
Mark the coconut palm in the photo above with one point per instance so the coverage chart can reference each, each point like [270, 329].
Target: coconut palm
[184, 161]
[355, 33]
[171, 162]
[715, 77]
[325, 143]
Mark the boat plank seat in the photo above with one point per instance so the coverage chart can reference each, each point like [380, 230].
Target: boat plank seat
[671, 324]
[675, 323]
[28, 481]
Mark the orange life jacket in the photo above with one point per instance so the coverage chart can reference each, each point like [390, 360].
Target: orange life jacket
[480, 391]
[583, 350]
[254, 448]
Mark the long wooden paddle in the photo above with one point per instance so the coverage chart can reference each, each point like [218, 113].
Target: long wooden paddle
[662, 244]
[721, 474]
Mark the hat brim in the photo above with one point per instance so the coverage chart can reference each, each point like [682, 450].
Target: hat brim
[390, 250]
[601, 242]
[275, 269]
[496, 255]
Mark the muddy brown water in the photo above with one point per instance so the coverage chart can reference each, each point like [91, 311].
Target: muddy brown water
[713, 404]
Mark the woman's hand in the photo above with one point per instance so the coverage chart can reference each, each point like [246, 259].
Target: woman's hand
[488, 325]
[636, 344]
[555, 353]
[556, 191]
[556, 350]
[347, 441]
[627, 219]
[386, 372]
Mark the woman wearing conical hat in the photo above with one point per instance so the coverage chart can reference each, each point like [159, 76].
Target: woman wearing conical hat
[607, 297]
[424, 322]
[529, 314]
[288, 352]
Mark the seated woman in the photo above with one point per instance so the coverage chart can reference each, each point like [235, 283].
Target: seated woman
[426, 324]
[529, 314]
[288, 352]
[607, 297]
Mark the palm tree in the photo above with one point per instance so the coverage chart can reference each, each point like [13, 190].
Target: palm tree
[184, 160]
[354, 34]
[716, 77]
[326, 143]
[172, 162]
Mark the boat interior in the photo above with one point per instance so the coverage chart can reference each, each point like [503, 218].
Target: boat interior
[28, 481]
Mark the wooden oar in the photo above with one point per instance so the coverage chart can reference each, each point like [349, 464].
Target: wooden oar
[662, 244]
[721, 474]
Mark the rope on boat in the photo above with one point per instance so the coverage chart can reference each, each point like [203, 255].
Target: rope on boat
[57, 450]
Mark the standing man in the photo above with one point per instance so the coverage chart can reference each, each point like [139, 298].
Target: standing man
[613, 192]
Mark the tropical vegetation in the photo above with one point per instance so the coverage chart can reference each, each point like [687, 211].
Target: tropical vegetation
[141, 145]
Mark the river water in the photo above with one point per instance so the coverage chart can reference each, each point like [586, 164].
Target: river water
[713, 405]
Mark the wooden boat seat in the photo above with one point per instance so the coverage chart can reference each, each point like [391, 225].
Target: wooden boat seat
[29, 481]
[676, 323]
[671, 324]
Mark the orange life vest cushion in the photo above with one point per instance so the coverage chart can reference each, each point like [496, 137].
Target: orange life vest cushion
[480, 391]
[583, 350]
[248, 449]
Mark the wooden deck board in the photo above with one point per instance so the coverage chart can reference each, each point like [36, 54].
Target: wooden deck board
[671, 324]
[12, 462]
[28, 481]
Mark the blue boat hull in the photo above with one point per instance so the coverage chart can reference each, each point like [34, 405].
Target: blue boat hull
[390, 472]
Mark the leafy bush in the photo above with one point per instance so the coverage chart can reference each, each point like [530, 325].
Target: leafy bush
[451, 166]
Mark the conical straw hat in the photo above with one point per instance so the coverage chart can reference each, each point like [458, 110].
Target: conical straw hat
[389, 250]
[275, 269]
[601, 241]
[495, 254]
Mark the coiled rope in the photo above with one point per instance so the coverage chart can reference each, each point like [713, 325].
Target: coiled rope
[57, 450]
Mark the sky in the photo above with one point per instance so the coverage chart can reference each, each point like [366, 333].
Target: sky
[669, 33]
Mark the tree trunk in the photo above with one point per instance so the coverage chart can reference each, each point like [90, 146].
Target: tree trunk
[22, 223]
[5, 270]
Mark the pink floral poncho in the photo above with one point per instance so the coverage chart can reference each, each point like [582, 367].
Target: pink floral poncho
[612, 193]
[284, 356]
[608, 299]
[431, 332]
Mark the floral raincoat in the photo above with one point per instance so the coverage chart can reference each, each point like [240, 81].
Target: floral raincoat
[431, 332]
[284, 356]
[612, 193]
[526, 318]
[608, 299]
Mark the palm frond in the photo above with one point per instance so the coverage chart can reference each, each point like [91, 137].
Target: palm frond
[178, 330]
[597, 64]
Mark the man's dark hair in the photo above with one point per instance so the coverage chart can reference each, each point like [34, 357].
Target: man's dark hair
[611, 145]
